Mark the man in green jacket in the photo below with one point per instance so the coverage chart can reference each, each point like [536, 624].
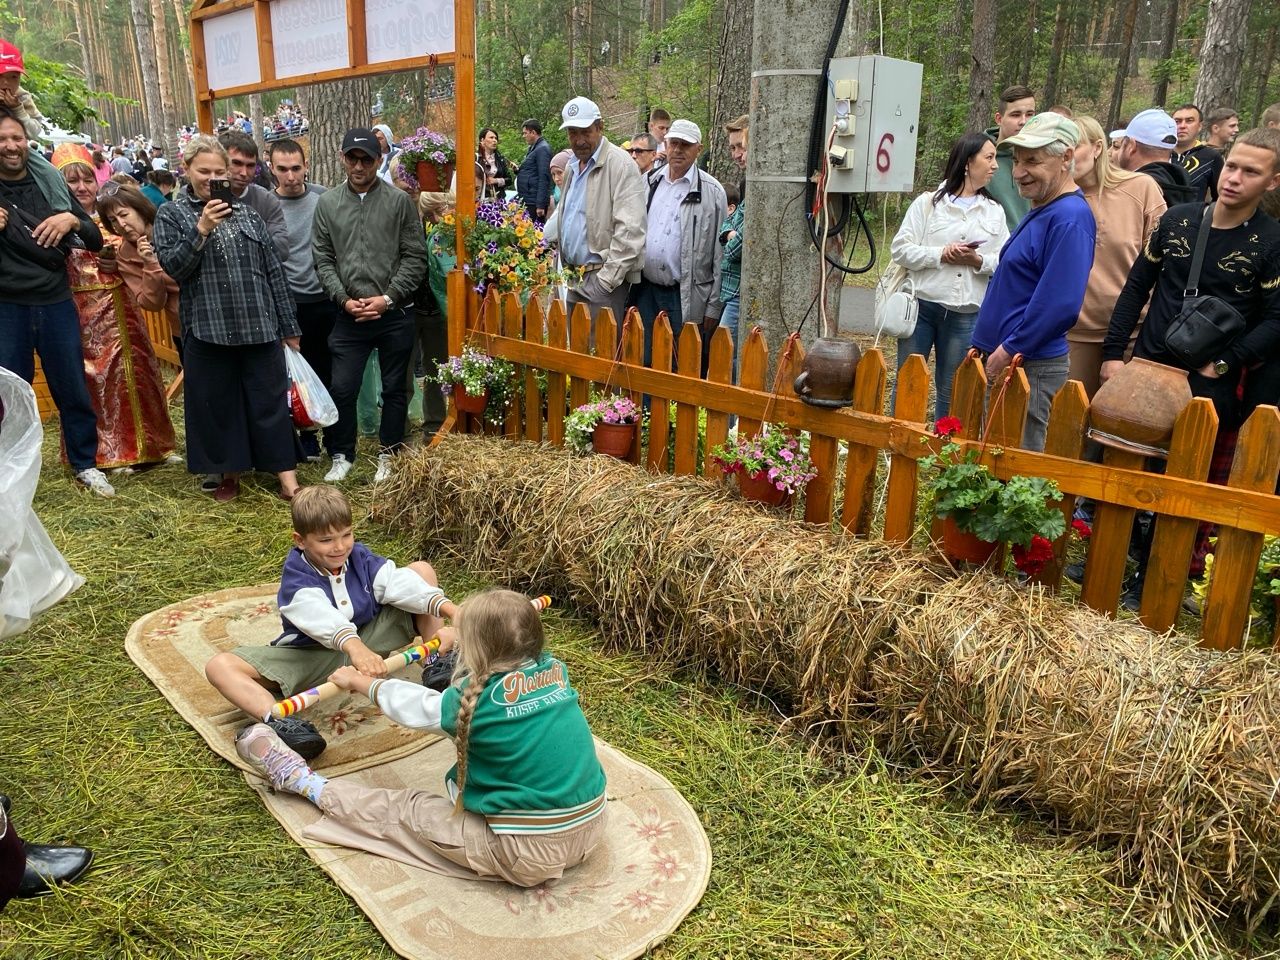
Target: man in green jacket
[371, 257]
[1017, 106]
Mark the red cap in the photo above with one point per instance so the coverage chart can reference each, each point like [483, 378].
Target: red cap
[10, 58]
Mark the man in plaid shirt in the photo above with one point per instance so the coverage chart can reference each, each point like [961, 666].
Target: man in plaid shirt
[731, 238]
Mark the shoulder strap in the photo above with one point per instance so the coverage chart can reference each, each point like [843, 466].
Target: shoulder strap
[1197, 257]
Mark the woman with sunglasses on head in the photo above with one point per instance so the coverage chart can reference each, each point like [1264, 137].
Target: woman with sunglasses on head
[121, 371]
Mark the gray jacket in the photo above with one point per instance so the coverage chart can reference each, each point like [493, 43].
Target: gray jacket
[701, 213]
[267, 205]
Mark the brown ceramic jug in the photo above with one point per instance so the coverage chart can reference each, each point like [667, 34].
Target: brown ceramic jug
[826, 379]
[1136, 409]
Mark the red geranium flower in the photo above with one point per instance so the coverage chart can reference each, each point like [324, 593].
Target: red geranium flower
[1031, 560]
[1081, 529]
[948, 426]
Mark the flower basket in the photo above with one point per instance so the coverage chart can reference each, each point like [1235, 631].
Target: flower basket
[613, 439]
[962, 547]
[758, 487]
[434, 177]
[469, 402]
[428, 157]
[504, 250]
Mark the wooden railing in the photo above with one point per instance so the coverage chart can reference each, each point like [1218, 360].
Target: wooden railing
[1244, 510]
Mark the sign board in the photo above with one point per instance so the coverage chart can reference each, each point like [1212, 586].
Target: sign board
[308, 36]
[400, 29]
[231, 50]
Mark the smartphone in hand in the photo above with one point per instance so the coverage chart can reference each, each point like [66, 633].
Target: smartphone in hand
[221, 190]
[975, 244]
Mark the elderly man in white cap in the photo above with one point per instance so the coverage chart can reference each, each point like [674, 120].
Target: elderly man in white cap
[599, 223]
[1035, 295]
[1146, 145]
[682, 253]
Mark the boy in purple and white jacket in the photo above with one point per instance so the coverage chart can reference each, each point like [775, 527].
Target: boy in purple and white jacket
[340, 603]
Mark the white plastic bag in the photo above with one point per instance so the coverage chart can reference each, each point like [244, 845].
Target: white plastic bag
[33, 574]
[309, 402]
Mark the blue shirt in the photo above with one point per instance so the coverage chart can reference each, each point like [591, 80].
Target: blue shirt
[1036, 293]
[573, 214]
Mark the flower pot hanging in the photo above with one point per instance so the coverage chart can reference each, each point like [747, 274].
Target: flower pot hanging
[758, 487]
[963, 547]
[433, 177]
[613, 439]
[468, 402]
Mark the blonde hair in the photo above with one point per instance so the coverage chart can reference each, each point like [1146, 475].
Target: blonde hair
[434, 205]
[203, 143]
[1107, 176]
[319, 509]
[498, 631]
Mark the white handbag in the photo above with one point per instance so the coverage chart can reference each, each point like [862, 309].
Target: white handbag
[896, 304]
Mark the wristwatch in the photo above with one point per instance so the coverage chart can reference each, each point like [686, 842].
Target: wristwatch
[1221, 367]
[390, 303]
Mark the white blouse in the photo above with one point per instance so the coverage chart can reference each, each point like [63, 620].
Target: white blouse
[927, 228]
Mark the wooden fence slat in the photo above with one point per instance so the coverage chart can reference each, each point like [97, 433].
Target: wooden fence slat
[579, 338]
[819, 495]
[752, 370]
[533, 399]
[659, 412]
[632, 353]
[969, 397]
[686, 458]
[557, 338]
[1007, 410]
[1235, 559]
[862, 459]
[1109, 549]
[1189, 456]
[912, 402]
[1068, 418]
[606, 347]
[512, 325]
[719, 370]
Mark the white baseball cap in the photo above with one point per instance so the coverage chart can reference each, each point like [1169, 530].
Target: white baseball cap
[1152, 128]
[685, 130]
[580, 113]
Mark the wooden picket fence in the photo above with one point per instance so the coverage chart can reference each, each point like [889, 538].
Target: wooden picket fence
[1244, 510]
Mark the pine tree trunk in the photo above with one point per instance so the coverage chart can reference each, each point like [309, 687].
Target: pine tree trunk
[733, 83]
[1122, 65]
[255, 118]
[1168, 43]
[168, 121]
[86, 60]
[180, 12]
[982, 72]
[1222, 54]
[1264, 72]
[1061, 23]
[332, 109]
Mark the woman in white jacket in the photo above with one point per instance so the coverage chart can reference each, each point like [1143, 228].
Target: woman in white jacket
[949, 244]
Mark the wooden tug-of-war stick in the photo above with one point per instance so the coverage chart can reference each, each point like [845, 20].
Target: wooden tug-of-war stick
[418, 653]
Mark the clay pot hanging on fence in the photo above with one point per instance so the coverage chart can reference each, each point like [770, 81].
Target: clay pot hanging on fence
[758, 487]
[469, 402]
[961, 546]
[613, 439]
[1136, 409]
[432, 178]
[826, 379]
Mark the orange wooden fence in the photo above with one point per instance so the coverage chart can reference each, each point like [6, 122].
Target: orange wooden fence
[1244, 510]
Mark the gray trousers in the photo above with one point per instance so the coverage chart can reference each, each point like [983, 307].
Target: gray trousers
[616, 302]
[1044, 378]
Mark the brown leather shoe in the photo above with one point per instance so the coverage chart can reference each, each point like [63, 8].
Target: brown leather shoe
[227, 490]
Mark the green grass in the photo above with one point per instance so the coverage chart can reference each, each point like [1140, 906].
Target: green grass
[815, 856]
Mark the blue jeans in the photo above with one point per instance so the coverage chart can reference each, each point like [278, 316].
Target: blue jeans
[729, 320]
[53, 331]
[948, 332]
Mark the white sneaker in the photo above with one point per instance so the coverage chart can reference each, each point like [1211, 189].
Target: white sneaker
[338, 472]
[384, 467]
[93, 479]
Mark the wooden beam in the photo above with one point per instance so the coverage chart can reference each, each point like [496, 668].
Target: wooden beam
[266, 51]
[199, 13]
[464, 98]
[357, 36]
[204, 99]
[344, 73]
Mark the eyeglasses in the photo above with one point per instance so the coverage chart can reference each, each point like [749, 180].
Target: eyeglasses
[634, 150]
[109, 189]
[359, 159]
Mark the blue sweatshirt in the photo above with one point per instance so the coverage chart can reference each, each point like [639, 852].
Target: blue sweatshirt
[1035, 295]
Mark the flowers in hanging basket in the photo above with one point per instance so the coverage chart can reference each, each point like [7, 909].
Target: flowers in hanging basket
[1015, 511]
[426, 146]
[582, 422]
[505, 249]
[783, 458]
[478, 373]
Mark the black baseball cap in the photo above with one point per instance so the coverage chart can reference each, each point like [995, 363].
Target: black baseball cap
[359, 138]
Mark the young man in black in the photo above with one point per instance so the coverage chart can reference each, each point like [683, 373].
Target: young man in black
[1202, 162]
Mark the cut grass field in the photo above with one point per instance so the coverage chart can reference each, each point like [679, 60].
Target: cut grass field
[814, 857]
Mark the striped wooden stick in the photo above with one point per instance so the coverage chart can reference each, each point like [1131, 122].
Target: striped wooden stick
[418, 653]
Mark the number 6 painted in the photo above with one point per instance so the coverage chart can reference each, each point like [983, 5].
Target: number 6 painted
[882, 153]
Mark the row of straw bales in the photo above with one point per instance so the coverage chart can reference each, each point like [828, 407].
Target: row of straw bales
[1164, 752]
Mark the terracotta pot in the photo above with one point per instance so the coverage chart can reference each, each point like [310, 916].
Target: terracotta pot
[469, 402]
[1139, 405]
[613, 439]
[431, 179]
[758, 487]
[826, 379]
[964, 547]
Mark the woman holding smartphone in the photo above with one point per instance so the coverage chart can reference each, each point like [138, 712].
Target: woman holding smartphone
[236, 309]
[949, 244]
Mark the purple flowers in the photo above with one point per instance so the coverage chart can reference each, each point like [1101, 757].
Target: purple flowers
[783, 458]
[579, 424]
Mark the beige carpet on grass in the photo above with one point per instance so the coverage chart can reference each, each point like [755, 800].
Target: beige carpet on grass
[173, 644]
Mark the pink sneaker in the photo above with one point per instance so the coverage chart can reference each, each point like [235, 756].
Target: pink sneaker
[260, 747]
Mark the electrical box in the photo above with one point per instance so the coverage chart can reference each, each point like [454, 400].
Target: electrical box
[873, 104]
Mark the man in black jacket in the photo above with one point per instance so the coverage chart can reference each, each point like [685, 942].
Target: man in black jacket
[1146, 146]
[37, 314]
[533, 179]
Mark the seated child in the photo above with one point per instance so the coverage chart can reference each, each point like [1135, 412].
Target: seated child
[340, 604]
[527, 795]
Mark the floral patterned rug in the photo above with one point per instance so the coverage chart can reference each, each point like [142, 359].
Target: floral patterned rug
[634, 890]
[173, 644]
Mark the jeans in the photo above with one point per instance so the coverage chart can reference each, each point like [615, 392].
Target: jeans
[650, 299]
[392, 335]
[729, 320]
[1044, 378]
[53, 331]
[949, 333]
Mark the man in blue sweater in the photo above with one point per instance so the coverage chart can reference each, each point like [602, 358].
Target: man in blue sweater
[1035, 294]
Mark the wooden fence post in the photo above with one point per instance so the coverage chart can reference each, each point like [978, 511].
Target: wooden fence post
[659, 413]
[557, 337]
[633, 355]
[1109, 546]
[751, 373]
[532, 332]
[911, 404]
[719, 370]
[512, 325]
[1068, 420]
[686, 459]
[579, 342]
[862, 459]
[607, 347]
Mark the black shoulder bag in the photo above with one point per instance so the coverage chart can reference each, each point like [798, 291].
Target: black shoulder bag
[1205, 326]
[19, 230]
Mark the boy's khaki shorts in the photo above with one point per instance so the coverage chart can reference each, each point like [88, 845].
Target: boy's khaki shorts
[301, 668]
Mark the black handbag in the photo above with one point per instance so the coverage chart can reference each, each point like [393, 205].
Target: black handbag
[19, 233]
[1205, 326]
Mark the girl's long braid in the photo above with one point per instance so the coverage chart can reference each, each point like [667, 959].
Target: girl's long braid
[462, 734]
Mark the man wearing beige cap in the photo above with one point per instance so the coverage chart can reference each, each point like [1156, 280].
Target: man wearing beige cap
[682, 251]
[599, 223]
[1035, 295]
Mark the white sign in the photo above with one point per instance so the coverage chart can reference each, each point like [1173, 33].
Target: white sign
[309, 36]
[399, 29]
[231, 50]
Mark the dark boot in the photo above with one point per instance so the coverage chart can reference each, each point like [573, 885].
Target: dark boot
[48, 865]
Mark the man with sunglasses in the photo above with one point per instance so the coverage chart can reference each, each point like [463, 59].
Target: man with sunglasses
[370, 255]
[644, 151]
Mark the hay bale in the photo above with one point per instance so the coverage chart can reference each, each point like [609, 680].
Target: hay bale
[1161, 750]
